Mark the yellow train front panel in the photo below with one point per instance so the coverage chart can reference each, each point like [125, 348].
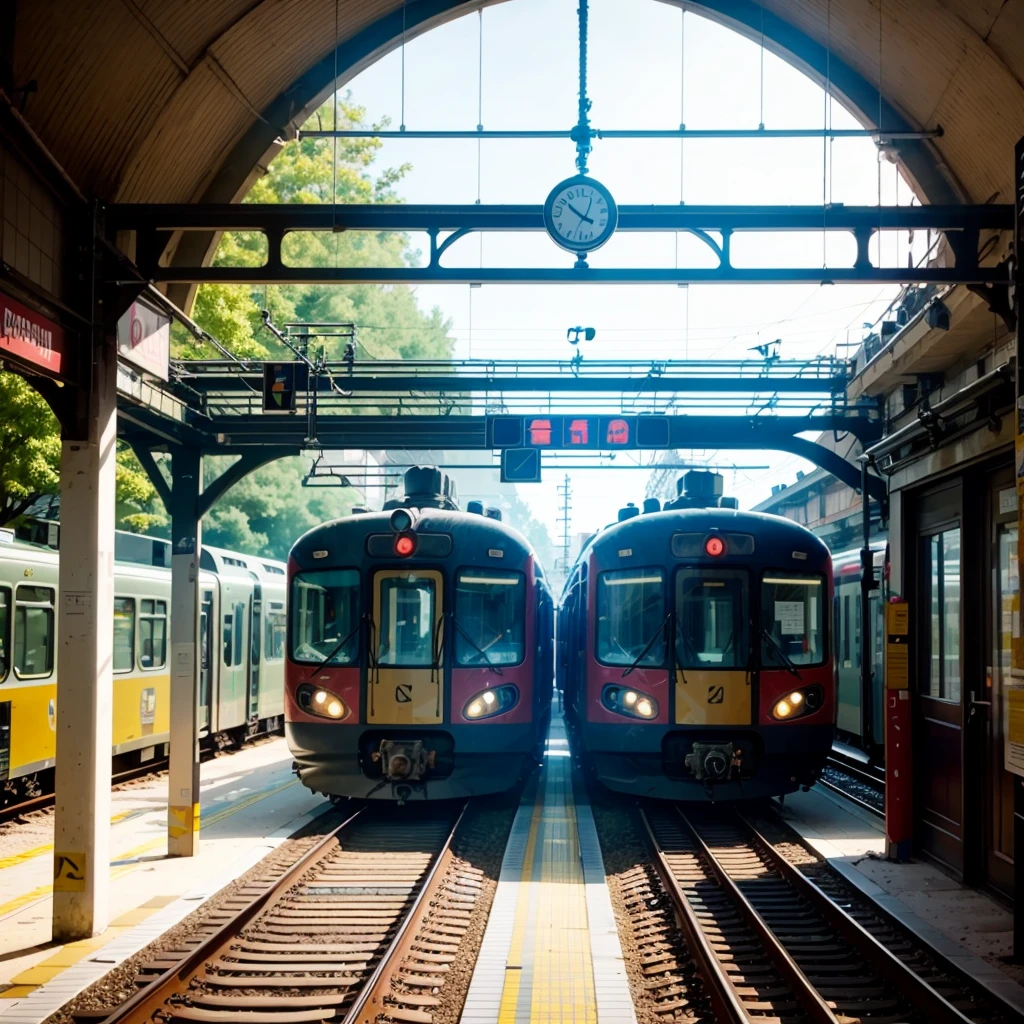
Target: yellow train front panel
[721, 697]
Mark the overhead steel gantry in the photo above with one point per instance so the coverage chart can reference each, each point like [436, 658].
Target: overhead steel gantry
[215, 407]
[160, 232]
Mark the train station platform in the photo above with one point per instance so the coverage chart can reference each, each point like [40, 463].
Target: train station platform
[967, 926]
[551, 953]
[250, 803]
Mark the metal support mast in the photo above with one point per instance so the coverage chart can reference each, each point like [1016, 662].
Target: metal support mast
[564, 520]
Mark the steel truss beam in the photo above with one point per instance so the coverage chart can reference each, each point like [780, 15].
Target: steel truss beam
[155, 225]
[262, 438]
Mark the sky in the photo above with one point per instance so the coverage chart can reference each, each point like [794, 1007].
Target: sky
[650, 66]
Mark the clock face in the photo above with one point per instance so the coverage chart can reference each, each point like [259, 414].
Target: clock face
[580, 214]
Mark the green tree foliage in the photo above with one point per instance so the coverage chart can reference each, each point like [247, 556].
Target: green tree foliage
[268, 510]
[30, 460]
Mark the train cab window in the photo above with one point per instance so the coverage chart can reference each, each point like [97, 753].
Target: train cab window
[489, 617]
[792, 620]
[33, 631]
[407, 604]
[325, 616]
[5, 632]
[124, 634]
[631, 617]
[712, 618]
[274, 631]
[153, 634]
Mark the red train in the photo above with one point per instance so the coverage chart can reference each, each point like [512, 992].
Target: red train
[420, 657]
[695, 651]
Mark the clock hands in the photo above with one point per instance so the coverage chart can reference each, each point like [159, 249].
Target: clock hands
[582, 216]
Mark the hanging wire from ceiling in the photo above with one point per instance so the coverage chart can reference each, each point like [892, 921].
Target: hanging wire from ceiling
[826, 124]
[401, 126]
[879, 124]
[761, 118]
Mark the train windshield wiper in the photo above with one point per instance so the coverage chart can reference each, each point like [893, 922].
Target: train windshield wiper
[650, 643]
[786, 660]
[472, 643]
[338, 646]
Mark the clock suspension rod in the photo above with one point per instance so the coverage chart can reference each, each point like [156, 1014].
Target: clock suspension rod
[582, 134]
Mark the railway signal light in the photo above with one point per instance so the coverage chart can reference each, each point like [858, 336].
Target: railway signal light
[405, 544]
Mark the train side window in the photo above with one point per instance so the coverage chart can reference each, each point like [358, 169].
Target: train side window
[274, 631]
[630, 617]
[5, 632]
[33, 631]
[124, 634]
[239, 631]
[712, 618]
[153, 634]
[229, 633]
[489, 617]
[793, 619]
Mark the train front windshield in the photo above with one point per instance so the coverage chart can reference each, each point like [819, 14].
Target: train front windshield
[490, 616]
[792, 619]
[325, 617]
[631, 617]
[711, 618]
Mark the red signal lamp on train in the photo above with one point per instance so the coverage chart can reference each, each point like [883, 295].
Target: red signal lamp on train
[714, 546]
[405, 545]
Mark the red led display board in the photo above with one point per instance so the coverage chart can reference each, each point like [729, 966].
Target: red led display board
[570, 432]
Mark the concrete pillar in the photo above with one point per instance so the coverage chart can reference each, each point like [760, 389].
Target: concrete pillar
[85, 640]
[183, 783]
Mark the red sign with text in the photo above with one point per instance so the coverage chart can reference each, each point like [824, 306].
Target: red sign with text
[31, 338]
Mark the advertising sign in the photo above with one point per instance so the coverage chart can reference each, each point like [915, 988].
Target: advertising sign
[28, 337]
[144, 338]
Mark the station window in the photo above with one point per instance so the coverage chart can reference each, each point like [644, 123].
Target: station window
[711, 618]
[631, 617]
[5, 632]
[325, 616]
[793, 620]
[153, 634]
[274, 632]
[407, 620]
[124, 634]
[940, 615]
[489, 617]
[33, 631]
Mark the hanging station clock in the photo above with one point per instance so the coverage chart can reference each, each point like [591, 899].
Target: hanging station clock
[580, 214]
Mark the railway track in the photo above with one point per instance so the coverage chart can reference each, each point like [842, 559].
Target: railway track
[863, 786]
[768, 944]
[363, 926]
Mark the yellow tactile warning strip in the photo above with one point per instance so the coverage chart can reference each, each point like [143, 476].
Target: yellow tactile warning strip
[536, 963]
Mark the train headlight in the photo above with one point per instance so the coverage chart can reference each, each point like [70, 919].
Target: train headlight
[624, 700]
[316, 700]
[797, 704]
[495, 700]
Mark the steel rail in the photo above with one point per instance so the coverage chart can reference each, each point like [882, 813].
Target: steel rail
[369, 1004]
[147, 1001]
[909, 984]
[852, 797]
[726, 1003]
[806, 994]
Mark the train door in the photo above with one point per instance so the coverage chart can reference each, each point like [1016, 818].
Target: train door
[406, 683]
[255, 642]
[939, 730]
[206, 625]
[987, 711]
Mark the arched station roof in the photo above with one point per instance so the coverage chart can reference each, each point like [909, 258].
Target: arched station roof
[182, 100]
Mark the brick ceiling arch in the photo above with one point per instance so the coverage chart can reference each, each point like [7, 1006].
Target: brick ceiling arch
[182, 100]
